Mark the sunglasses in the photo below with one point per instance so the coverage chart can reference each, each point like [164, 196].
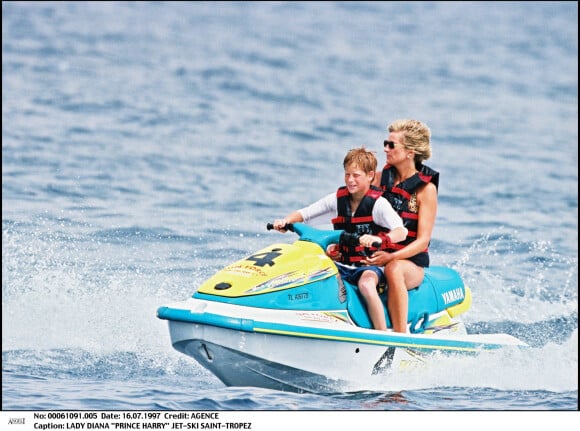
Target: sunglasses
[390, 144]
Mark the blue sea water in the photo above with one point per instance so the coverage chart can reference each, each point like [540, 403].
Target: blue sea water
[145, 145]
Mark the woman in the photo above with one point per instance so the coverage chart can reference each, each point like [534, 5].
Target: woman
[411, 189]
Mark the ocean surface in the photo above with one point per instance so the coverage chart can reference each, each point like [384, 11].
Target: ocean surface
[145, 145]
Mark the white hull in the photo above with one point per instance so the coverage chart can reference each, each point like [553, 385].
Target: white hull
[313, 352]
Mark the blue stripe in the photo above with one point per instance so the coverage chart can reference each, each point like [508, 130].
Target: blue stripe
[180, 315]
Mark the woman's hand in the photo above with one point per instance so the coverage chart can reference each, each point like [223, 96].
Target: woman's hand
[378, 258]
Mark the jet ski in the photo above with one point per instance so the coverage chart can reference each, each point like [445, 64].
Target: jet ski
[283, 318]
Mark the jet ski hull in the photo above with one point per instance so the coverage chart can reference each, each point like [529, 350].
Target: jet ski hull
[298, 351]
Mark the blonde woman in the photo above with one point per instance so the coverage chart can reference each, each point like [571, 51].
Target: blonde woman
[411, 189]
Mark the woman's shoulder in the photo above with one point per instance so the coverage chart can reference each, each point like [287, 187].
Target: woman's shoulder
[427, 192]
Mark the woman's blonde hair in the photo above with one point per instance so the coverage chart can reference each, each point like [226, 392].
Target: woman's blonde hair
[416, 137]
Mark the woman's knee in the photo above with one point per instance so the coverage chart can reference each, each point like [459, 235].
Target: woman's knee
[404, 271]
[394, 267]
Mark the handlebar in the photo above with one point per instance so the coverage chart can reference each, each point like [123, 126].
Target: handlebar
[288, 226]
[346, 238]
[353, 239]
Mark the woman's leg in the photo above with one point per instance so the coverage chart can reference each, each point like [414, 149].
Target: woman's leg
[402, 275]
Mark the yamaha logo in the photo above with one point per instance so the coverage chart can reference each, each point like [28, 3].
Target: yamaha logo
[453, 295]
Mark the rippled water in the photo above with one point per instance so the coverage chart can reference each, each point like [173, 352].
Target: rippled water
[146, 145]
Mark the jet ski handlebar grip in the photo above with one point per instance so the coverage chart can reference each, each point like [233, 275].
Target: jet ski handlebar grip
[288, 226]
[353, 239]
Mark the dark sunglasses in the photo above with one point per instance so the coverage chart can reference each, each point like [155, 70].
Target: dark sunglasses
[390, 144]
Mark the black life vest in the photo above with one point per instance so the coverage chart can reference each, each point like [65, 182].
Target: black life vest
[361, 222]
[403, 198]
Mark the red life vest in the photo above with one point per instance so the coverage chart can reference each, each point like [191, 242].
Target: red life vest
[403, 199]
[361, 222]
